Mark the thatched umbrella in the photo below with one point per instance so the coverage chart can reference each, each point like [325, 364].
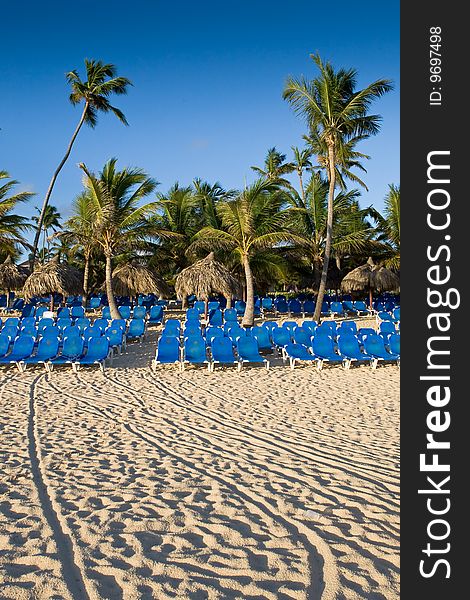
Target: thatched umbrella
[133, 279]
[370, 277]
[205, 277]
[53, 277]
[11, 278]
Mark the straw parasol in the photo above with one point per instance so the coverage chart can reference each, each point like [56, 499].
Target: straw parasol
[132, 279]
[205, 277]
[370, 277]
[53, 277]
[11, 278]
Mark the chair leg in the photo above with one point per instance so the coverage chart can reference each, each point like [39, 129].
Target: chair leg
[267, 365]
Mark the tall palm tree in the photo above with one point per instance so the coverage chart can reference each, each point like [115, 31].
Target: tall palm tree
[253, 222]
[300, 164]
[336, 114]
[389, 227]
[101, 82]
[12, 225]
[50, 221]
[121, 221]
[275, 167]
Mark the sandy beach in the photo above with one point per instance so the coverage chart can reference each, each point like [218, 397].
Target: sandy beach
[139, 485]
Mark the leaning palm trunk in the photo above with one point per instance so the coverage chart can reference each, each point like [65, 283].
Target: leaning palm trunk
[51, 187]
[115, 314]
[329, 232]
[249, 316]
[86, 276]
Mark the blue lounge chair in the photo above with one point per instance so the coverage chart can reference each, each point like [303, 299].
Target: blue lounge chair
[191, 329]
[167, 352]
[384, 316]
[281, 306]
[28, 310]
[261, 335]
[280, 336]
[139, 312]
[98, 351]
[247, 348]
[308, 307]
[267, 304]
[72, 350]
[12, 322]
[296, 353]
[77, 312]
[136, 330]
[323, 348]
[5, 342]
[155, 314]
[215, 317]
[82, 322]
[222, 352]
[63, 312]
[240, 306]
[347, 326]
[310, 325]
[125, 311]
[48, 348]
[336, 309]
[387, 327]
[269, 326]
[172, 327]
[193, 315]
[195, 352]
[94, 303]
[63, 322]
[349, 307]
[116, 338]
[106, 313]
[23, 348]
[11, 331]
[361, 307]
[303, 336]
[394, 344]
[230, 315]
[396, 314]
[295, 307]
[103, 324]
[28, 321]
[374, 345]
[200, 306]
[213, 332]
[350, 348]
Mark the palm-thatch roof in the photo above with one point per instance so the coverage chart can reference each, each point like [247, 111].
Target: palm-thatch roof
[370, 277]
[11, 278]
[206, 277]
[53, 277]
[132, 279]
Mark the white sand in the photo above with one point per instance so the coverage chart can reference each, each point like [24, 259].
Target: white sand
[139, 485]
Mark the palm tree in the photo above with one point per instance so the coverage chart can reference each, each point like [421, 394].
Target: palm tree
[79, 233]
[208, 196]
[121, 222]
[101, 83]
[253, 222]
[51, 220]
[336, 114]
[12, 225]
[300, 164]
[389, 227]
[275, 167]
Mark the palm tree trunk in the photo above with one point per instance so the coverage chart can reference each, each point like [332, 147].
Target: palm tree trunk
[51, 186]
[115, 314]
[249, 316]
[329, 230]
[302, 191]
[86, 276]
[229, 302]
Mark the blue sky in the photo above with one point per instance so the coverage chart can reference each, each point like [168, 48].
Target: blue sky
[207, 95]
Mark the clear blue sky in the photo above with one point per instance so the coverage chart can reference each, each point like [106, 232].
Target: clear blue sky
[208, 78]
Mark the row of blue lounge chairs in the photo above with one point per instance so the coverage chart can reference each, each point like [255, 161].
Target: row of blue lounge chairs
[233, 344]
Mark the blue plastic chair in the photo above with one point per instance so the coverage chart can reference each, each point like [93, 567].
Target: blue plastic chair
[361, 307]
[23, 348]
[213, 305]
[303, 336]
[267, 304]
[82, 322]
[96, 354]
[281, 306]
[325, 309]
[193, 315]
[336, 309]
[48, 348]
[191, 328]
[116, 338]
[139, 312]
[72, 350]
[172, 327]
[28, 321]
[295, 353]
[290, 326]
[167, 352]
[240, 306]
[121, 323]
[295, 307]
[222, 352]
[374, 345]
[102, 324]
[350, 348]
[310, 325]
[349, 307]
[261, 335]
[324, 350]
[28, 310]
[281, 336]
[247, 348]
[106, 313]
[308, 307]
[195, 352]
[77, 312]
[234, 331]
[94, 303]
[63, 312]
[387, 327]
[213, 332]
[125, 311]
[347, 326]
[40, 310]
[200, 306]
[155, 314]
[269, 326]
[11, 331]
[384, 316]
[215, 317]
[136, 330]
[5, 342]
[230, 315]
[394, 344]
[63, 322]
[11, 322]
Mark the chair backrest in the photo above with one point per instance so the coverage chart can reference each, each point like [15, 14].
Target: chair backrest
[195, 348]
[94, 302]
[396, 313]
[309, 307]
[360, 305]
[374, 344]
[106, 313]
[240, 306]
[168, 349]
[114, 335]
[270, 325]
[323, 345]
[281, 306]
[136, 327]
[348, 343]
[139, 312]
[11, 331]
[156, 313]
[28, 321]
[50, 331]
[349, 325]
[40, 310]
[394, 343]
[281, 336]
[192, 328]
[23, 346]
[62, 323]
[11, 322]
[4, 344]
[77, 312]
[262, 337]
[303, 336]
[48, 347]
[101, 324]
[297, 350]
[295, 306]
[193, 314]
[121, 323]
[213, 305]
[91, 332]
[28, 310]
[222, 349]
[125, 311]
[247, 347]
[200, 306]
[290, 325]
[82, 322]
[230, 315]
[172, 326]
[98, 348]
[29, 330]
[215, 317]
[387, 327]
[267, 303]
[63, 312]
[213, 332]
[73, 346]
[337, 307]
